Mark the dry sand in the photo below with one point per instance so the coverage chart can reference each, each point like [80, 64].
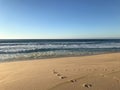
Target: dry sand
[98, 72]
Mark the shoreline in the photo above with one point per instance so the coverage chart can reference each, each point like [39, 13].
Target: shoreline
[21, 60]
[92, 72]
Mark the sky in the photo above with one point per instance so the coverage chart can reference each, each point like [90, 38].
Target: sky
[59, 19]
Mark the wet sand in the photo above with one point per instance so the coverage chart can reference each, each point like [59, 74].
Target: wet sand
[98, 72]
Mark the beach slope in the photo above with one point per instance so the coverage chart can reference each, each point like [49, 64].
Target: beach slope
[97, 72]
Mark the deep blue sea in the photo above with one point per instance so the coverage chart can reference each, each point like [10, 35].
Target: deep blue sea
[12, 50]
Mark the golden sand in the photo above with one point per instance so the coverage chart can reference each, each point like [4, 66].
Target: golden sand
[98, 72]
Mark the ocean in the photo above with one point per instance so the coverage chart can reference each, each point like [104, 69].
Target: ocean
[18, 49]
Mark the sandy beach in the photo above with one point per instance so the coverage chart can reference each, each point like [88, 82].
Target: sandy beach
[97, 72]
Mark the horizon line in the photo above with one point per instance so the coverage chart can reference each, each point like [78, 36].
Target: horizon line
[53, 38]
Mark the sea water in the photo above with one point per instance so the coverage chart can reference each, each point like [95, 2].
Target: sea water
[13, 50]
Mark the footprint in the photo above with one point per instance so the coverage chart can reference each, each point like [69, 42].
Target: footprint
[58, 75]
[54, 72]
[105, 69]
[73, 81]
[102, 75]
[117, 79]
[62, 77]
[87, 85]
[112, 70]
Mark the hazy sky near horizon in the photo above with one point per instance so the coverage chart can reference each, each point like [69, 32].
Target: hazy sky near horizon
[42, 19]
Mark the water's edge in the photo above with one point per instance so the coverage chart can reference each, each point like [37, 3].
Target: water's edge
[21, 60]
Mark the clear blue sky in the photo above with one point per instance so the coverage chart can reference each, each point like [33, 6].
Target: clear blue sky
[59, 19]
